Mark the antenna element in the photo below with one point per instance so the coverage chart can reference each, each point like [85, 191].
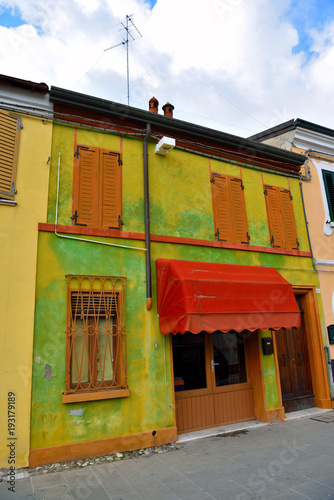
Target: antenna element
[129, 27]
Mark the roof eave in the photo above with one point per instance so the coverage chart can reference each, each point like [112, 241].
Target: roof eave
[91, 103]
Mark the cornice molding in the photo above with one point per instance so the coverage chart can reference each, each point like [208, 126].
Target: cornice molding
[309, 139]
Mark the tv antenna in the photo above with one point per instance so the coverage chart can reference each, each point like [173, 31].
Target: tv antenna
[129, 27]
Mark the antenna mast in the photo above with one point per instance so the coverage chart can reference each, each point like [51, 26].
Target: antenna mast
[129, 27]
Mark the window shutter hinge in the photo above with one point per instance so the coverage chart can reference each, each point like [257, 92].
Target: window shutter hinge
[217, 235]
[75, 218]
[265, 191]
[76, 154]
[241, 185]
[120, 162]
[213, 177]
[120, 223]
[19, 121]
[248, 238]
[298, 245]
[272, 241]
[12, 192]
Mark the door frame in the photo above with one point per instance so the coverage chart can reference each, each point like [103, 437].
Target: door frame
[315, 348]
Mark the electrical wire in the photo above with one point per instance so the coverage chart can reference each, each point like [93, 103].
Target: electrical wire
[83, 76]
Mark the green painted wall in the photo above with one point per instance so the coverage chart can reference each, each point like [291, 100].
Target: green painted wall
[269, 376]
[180, 188]
[145, 409]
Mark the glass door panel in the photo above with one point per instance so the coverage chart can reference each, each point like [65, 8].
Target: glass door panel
[228, 364]
[189, 362]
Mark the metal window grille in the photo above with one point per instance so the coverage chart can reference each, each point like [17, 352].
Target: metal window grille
[95, 334]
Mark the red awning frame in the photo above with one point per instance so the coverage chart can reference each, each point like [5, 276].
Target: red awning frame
[205, 296]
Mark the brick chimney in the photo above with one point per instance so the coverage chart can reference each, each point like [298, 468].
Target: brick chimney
[153, 105]
[168, 109]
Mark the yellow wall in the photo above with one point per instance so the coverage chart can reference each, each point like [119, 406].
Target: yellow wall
[18, 243]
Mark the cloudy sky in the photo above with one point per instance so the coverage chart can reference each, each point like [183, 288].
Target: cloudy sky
[239, 66]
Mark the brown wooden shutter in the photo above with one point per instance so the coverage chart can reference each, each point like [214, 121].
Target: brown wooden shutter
[238, 209]
[110, 189]
[230, 209]
[288, 220]
[9, 147]
[281, 220]
[221, 203]
[86, 202]
[274, 216]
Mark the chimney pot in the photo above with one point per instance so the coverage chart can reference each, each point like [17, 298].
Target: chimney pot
[168, 109]
[153, 105]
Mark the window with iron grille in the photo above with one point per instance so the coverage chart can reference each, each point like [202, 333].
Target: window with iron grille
[95, 338]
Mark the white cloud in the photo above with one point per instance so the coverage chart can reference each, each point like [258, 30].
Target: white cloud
[230, 61]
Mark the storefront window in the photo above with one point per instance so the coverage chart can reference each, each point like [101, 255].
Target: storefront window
[229, 358]
[189, 361]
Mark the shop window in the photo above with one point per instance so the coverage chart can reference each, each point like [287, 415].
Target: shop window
[189, 361]
[281, 220]
[208, 360]
[10, 126]
[97, 192]
[229, 358]
[95, 338]
[328, 178]
[229, 209]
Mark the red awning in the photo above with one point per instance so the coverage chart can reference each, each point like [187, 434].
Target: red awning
[203, 296]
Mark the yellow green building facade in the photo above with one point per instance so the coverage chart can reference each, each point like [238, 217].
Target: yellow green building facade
[133, 193]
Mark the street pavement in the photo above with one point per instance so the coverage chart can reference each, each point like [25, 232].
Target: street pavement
[290, 460]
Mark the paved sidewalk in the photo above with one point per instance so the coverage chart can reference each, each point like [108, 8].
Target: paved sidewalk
[289, 460]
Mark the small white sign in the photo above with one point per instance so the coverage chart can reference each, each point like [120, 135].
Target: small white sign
[317, 290]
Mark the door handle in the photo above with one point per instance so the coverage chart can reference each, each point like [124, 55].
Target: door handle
[284, 360]
[300, 362]
[213, 365]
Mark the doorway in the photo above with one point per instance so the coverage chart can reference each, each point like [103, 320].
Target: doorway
[211, 381]
[294, 367]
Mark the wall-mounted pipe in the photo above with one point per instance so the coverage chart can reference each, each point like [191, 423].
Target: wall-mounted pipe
[147, 220]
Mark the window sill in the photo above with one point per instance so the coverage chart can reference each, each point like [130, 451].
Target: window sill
[95, 396]
[9, 203]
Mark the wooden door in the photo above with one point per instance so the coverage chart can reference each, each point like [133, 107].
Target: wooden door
[210, 380]
[294, 368]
